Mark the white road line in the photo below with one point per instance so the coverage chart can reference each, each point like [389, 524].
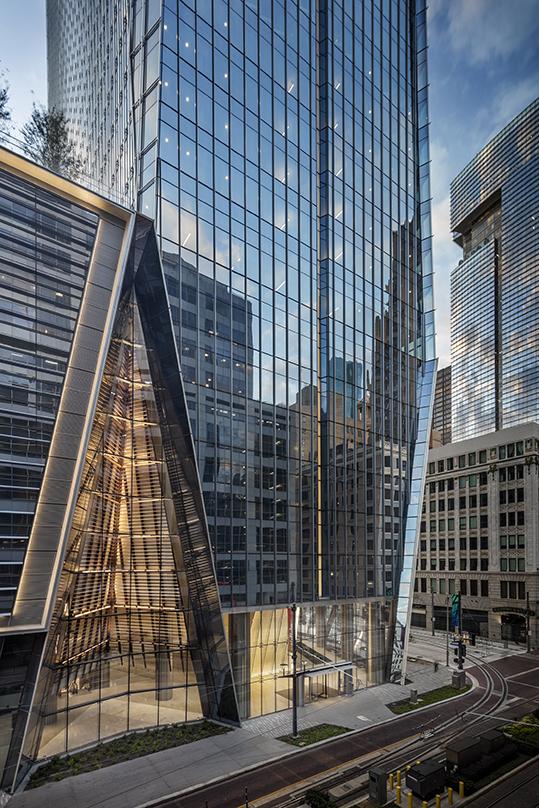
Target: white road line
[522, 673]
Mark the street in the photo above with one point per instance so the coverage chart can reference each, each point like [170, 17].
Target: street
[469, 714]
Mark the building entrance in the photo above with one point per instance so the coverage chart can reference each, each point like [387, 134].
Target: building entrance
[325, 682]
[514, 627]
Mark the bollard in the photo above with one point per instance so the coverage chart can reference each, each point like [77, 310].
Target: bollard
[417, 762]
[424, 804]
[410, 800]
[461, 789]
[398, 795]
[438, 801]
[391, 781]
[450, 796]
[398, 777]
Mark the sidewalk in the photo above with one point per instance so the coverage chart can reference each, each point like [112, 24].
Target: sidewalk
[156, 776]
[424, 647]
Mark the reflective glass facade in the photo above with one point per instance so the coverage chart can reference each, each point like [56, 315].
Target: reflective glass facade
[474, 343]
[283, 151]
[45, 248]
[114, 621]
[494, 322]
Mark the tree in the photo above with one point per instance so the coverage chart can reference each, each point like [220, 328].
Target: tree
[5, 114]
[46, 141]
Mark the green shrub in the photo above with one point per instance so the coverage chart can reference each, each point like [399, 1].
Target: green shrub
[121, 749]
[527, 731]
[318, 799]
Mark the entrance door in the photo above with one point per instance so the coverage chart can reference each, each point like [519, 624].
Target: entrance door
[322, 687]
[514, 628]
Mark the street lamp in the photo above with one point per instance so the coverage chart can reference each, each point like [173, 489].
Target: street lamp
[294, 665]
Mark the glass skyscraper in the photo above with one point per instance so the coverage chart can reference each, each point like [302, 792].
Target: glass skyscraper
[283, 151]
[494, 316]
[441, 414]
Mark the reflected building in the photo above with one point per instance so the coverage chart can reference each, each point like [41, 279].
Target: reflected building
[494, 320]
[282, 150]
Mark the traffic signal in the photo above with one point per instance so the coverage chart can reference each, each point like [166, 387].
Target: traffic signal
[460, 653]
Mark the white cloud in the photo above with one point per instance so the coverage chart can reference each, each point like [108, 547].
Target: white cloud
[446, 256]
[511, 99]
[483, 30]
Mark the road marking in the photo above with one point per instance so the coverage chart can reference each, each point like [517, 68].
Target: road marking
[363, 718]
[522, 673]
[525, 684]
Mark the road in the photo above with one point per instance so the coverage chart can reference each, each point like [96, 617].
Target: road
[519, 673]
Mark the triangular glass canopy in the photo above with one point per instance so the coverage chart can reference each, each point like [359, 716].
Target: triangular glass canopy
[136, 637]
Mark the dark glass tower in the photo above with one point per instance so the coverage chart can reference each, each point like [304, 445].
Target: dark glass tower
[441, 415]
[283, 151]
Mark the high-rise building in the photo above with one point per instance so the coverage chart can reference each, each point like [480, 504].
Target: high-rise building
[494, 313]
[110, 615]
[479, 536]
[441, 414]
[283, 151]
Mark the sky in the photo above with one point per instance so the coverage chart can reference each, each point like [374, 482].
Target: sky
[483, 70]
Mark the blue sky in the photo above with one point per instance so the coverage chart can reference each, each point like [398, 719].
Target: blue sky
[484, 69]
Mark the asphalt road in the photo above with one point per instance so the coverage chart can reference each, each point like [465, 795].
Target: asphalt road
[521, 673]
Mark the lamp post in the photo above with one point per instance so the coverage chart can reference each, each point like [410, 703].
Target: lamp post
[447, 631]
[461, 643]
[294, 665]
[528, 637]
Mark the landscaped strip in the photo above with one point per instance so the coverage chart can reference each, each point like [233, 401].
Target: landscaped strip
[128, 747]
[526, 730]
[424, 699]
[321, 732]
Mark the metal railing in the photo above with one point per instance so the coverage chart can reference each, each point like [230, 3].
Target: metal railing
[10, 142]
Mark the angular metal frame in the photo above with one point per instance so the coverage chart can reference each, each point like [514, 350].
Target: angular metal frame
[128, 264]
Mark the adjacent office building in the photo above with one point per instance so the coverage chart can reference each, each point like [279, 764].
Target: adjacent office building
[479, 527]
[494, 311]
[283, 151]
[110, 615]
[441, 414]
[479, 533]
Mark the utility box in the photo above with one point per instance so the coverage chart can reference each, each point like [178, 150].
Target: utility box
[413, 696]
[463, 751]
[491, 741]
[458, 679]
[378, 785]
[426, 779]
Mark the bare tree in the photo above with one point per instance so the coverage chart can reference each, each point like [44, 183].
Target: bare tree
[46, 140]
[5, 113]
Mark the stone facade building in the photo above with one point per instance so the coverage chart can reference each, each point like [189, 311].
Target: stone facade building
[479, 530]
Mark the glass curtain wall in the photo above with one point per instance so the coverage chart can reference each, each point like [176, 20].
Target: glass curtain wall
[45, 248]
[283, 150]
